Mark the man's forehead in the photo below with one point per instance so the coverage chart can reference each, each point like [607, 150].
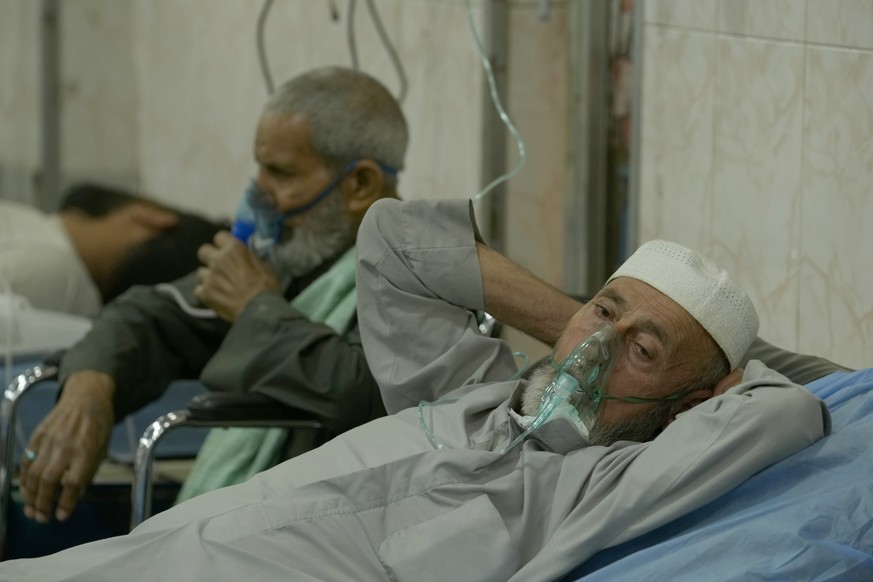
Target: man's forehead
[660, 314]
[629, 292]
[284, 137]
[281, 124]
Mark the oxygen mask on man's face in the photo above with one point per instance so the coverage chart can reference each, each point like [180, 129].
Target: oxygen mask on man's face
[258, 222]
[576, 390]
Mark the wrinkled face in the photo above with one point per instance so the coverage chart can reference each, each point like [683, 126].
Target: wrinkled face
[292, 174]
[662, 347]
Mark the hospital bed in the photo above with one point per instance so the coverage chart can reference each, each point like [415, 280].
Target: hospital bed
[808, 517]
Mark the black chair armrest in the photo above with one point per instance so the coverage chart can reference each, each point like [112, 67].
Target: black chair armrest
[234, 406]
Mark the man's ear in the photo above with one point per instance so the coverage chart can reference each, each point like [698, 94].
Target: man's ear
[728, 382]
[687, 403]
[700, 396]
[364, 185]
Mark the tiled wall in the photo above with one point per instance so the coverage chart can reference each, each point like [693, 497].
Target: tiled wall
[19, 106]
[96, 96]
[757, 149]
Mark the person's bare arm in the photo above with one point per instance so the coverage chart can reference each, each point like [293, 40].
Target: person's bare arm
[521, 300]
[69, 445]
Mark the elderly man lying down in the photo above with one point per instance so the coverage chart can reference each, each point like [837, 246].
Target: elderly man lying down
[641, 416]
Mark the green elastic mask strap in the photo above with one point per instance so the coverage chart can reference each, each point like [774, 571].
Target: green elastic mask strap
[636, 399]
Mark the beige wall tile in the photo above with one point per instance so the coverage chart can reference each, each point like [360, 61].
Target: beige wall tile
[836, 306]
[200, 91]
[757, 178]
[537, 103]
[537, 100]
[444, 105]
[846, 23]
[676, 136]
[786, 159]
[98, 93]
[698, 14]
[772, 19]
[19, 88]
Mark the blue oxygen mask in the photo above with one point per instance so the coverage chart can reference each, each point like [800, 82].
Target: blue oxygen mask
[258, 222]
[577, 388]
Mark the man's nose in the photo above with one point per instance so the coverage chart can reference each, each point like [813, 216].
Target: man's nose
[265, 185]
[621, 325]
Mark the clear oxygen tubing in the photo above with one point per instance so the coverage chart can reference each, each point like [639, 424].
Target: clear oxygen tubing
[424, 404]
[401, 73]
[578, 384]
[575, 391]
[7, 332]
[7, 337]
[522, 158]
[495, 98]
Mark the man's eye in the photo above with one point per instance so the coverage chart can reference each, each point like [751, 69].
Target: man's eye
[602, 311]
[643, 352]
[279, 173]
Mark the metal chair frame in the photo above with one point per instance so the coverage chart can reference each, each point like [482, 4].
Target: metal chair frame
[17, 388]
[210, 410]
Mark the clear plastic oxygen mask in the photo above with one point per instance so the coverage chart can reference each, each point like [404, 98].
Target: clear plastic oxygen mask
[577, 388]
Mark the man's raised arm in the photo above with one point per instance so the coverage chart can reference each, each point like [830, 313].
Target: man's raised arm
[516, 297]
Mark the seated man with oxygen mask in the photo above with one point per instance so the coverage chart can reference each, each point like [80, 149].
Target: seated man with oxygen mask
[270, 310]
[643, 415]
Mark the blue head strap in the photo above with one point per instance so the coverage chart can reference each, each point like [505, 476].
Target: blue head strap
[330, 187]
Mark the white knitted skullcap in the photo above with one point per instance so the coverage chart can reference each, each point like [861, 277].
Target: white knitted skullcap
[703, 289]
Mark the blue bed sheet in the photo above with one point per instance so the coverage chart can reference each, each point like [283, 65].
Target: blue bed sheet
[808, 517]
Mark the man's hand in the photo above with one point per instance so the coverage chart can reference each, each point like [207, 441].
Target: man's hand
[68, 445]
[231, 276]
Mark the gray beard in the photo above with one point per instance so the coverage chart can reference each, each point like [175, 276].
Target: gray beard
[602, 433]
[323, 235]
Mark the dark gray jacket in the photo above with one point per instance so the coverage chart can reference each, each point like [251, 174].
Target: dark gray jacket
[144, 340]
